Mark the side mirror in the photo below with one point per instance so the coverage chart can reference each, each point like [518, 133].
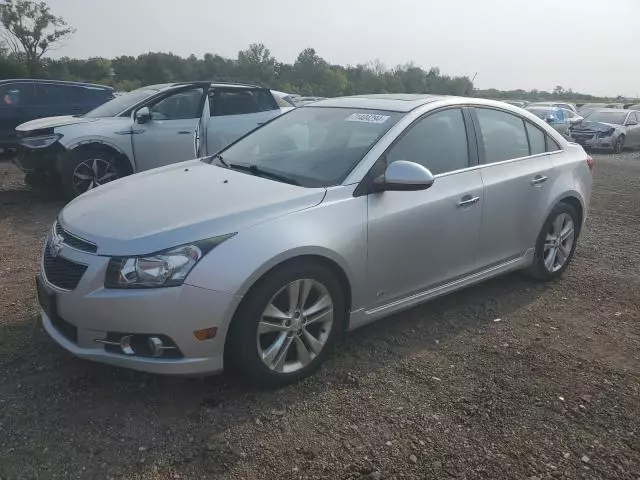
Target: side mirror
[576, 120]
[403, 176]
[550, 119]
[143, 115]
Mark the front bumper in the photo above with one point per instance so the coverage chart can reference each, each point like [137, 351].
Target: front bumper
[595, 142]
[95, 313]
[41, 160]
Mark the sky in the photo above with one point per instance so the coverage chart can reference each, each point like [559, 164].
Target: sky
[590, 46]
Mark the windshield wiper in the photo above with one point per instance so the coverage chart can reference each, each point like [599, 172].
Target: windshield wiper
[259, 172]
[219, 158]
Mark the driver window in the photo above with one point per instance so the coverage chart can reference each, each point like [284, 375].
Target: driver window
[179, 106]
[438, 142]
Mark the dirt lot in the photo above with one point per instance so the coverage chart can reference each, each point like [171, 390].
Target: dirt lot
[551, 390]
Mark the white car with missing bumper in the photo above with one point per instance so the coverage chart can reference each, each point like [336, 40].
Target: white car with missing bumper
[146, 128]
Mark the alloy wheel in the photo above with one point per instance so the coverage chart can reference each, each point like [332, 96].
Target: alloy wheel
[559, 242]
[295, 326]
[92, 173]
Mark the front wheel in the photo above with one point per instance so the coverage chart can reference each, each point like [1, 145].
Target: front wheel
[85, 170]
[287, 324]
[556, 243]
[618, 145]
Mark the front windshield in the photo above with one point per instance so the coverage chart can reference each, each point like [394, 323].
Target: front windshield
[544, 113]
[607, 117]
[312, 146]
[120, 103]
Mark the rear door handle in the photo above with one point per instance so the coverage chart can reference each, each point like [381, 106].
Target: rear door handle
[184, 132]
[538, 180]
[467, 201]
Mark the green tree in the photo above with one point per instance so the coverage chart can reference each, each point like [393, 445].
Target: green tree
[256, 63]
[31, 30]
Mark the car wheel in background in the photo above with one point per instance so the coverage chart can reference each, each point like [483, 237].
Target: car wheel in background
[618, 145]
[287, 324]
[86, 169]
[556, 243]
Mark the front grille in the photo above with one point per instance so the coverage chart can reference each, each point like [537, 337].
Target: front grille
[582, 136]
[69, 331]
[73, 241]
[61, 272]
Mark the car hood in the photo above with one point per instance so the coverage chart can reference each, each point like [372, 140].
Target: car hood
[178, 204]
[586, 125]
[52, 122]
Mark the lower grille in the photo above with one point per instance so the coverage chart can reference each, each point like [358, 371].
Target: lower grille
[61, 272]
[67, 330]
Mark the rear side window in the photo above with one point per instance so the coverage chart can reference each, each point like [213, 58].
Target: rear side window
[438, 142]
[552, 145]
[536, 139]
[52, 94]
[225, 102]
[503, 135]
[15, 94]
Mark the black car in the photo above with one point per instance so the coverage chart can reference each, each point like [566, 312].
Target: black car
[22, 100]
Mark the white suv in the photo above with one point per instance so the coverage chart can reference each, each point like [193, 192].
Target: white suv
[146, 128]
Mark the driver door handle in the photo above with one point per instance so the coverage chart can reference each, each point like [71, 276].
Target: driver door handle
[538, 180]
[467, 201]
[184, 132]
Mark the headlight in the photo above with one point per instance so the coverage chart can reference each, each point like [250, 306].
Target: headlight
[41, 141]
[168, 268]
[608, 133]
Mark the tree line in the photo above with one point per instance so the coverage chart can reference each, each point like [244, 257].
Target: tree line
[30, 30]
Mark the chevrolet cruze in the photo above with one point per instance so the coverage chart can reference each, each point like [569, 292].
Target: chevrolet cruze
[323, 220]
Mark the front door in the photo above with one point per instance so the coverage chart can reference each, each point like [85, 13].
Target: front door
[418, 240]
[172, 133]
[517, 174]
[236, 111]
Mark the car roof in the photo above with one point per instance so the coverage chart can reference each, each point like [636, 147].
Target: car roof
[398, 102]
[57, 82]
[165, 86]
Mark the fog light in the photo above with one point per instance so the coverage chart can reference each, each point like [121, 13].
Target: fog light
[125, 345]
[206, 333]
[156, 346]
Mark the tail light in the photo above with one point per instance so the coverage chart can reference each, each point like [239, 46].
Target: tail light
[591, 163]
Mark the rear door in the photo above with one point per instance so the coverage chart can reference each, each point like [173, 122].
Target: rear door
[517, 173]
[17, 105]
[172, 133]
[236, 111]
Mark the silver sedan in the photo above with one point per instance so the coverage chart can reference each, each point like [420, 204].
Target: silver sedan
[323, 220]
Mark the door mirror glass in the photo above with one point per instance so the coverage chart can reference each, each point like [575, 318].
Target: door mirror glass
[143, 115]
[404, 176]
[550, 119]
[575, 120]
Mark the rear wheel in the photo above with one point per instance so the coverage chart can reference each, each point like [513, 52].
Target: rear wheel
[556, 243]
[618, 144]
[87, 169]
[287, 324]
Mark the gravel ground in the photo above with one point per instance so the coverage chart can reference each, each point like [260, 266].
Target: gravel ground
[510, 379]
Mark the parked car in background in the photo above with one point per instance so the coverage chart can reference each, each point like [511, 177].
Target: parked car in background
[559, 118]
[567, 106]
[285, 101]
[301, 101]
[517, 103]
[269, 250]
[143, 129]
[635, 107]
[22, 100]
[609, 128]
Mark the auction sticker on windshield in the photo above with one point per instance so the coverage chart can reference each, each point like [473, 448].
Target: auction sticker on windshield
[367, 118]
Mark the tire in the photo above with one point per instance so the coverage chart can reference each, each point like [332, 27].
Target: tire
[86, 169]
[544, 267]
[283, 326]
[618, 145]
